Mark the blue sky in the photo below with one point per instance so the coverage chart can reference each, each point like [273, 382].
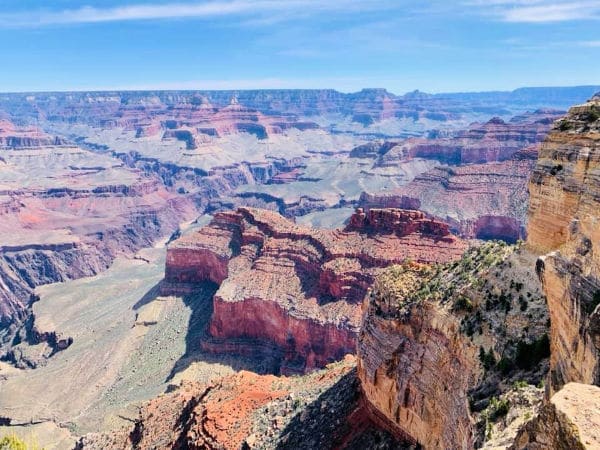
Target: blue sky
[402, 45]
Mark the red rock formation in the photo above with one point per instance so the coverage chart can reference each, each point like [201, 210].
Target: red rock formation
[399, 222]
[486, 201]
[12, 137]
[295, 288]
[316, 411]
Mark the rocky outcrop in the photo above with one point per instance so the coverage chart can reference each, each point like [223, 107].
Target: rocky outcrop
[439, 345]
[184, 135]
[563, 220]
[295, 288]
[399, 222]
[373, 149]
[320, 410]
[570, 421]
[416, 367]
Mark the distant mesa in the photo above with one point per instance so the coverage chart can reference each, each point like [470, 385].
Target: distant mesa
[15, 138]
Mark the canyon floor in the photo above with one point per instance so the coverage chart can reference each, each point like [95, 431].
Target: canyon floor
[129, 344]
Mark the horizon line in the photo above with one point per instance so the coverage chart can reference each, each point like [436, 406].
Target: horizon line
[199, 90]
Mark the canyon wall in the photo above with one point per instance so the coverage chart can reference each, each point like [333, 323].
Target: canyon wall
[563, 220]
[415, 369]
[493, 141]
[482, 201]
[482, 191]
[296, 289]
[67, 213]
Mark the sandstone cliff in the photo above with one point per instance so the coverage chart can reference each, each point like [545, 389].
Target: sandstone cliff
[440, 344]
[293, 288]
[416, 368]
[563, 220]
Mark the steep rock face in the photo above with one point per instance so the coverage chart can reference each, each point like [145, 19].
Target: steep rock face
[416, 367]
[570, 421]
[563, 219]
[295, 288]
[422, 329]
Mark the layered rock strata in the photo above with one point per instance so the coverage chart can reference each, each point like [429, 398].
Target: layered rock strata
[483, 201]
[296, 289]
[493, 141]
[563, 220]
[438, 343]
[416, 368]
[67, 213]
[13, 137]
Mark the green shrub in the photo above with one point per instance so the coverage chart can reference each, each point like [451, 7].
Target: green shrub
[488, 360]
[463, 304]
[590, 307]
[504, 366]
[565, 125]
[530, 354]
[520, 384]
[498, 408]
[12, 442]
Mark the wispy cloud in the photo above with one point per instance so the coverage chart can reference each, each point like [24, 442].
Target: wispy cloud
[181, 10]
[539, 11]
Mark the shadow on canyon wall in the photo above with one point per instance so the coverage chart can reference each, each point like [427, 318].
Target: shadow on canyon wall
[200, 346]
[336, 419]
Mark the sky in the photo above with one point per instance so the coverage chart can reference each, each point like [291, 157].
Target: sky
[401, 45]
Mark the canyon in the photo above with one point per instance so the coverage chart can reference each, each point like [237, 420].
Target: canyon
[481, 188]
[67, 212]
[181, 263]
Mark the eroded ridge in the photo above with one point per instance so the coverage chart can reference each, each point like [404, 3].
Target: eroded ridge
[297, 289]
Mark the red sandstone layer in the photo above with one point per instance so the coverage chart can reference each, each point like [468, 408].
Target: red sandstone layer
[15, 137]
[295, 288]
